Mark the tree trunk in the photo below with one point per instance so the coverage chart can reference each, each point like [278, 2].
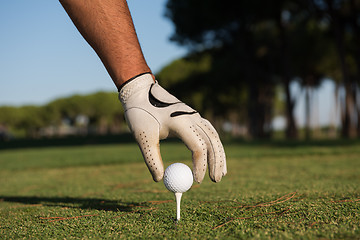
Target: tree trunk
[357, 103]
[356, 28]
[254, 113]
[260, 109]
[307, 113]
[291, 129]
[348, 129]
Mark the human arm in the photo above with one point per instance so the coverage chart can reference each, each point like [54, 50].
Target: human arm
[108, 28]
[151, 112]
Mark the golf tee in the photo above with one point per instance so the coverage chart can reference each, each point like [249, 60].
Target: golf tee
[178, 200]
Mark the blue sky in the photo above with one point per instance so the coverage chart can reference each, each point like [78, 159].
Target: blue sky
[43, 57]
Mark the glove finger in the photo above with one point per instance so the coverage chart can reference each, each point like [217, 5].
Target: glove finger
[146, 132]
[188, 133]
[216, 153]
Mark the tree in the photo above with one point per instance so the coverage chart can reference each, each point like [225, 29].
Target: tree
[193, 78]
[344, 26]
[102, 108]
[243, 52]
[310, 68]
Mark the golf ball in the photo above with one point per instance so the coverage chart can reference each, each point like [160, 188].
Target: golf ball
[178, 178]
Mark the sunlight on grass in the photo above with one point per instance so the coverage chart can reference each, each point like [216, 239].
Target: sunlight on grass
[271, 191]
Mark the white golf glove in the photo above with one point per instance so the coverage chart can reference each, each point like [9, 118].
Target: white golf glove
[153, 114]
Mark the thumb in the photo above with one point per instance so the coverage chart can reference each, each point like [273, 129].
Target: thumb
[145, 129]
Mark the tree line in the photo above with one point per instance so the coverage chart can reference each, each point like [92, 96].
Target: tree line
[242, 58]
[97, 113]
[242, 52]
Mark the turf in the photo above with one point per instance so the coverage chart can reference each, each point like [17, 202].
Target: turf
[272, 191]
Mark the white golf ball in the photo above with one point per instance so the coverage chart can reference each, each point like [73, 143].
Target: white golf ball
[178, 178]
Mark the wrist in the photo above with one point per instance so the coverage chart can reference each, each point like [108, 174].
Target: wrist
[133, 78]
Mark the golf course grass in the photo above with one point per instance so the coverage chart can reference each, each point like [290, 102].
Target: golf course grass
[272, 191]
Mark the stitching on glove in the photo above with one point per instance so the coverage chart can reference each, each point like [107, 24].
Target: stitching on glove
[146, 149]
[198, 175]
[219, 146]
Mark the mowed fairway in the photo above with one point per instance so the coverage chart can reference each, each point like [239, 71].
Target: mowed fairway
[272, 191]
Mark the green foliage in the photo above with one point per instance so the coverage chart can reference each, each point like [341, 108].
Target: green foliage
[193, 78]
[22, 119]
[268, 43]
[102, 108]
[309, 36]
[284, 190]
[95, 105]
[182, 69]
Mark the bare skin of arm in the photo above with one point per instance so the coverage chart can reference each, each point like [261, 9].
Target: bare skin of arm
[108, 27]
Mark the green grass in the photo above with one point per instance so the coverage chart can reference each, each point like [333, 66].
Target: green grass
[272, 191]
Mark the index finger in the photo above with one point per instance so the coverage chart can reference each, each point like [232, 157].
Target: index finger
[146, 132]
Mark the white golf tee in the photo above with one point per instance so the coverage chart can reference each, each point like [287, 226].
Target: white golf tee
[178, 200]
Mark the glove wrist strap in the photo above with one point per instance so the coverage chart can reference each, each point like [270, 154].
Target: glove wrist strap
[128, 81]
[133, 85]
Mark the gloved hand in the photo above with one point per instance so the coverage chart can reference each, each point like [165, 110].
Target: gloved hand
[153, 114]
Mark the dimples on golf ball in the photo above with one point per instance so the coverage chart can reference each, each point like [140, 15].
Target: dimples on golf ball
[178, 178]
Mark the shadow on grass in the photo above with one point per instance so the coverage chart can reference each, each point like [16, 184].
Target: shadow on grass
[82, 203]
[66, 141]
[71, 141]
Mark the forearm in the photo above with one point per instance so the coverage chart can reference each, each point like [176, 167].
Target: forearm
[108, 28]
